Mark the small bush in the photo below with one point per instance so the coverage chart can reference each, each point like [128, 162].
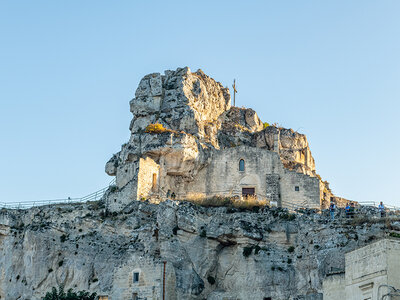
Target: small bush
[395, 235]
[69, 295]
[288, 217]
[95, 280]
[211, 280]
[289, 261]
[63, 238]
[257, 249]
[155, 128]
[272, 268]
[291, 249]
[247, 251]
[317, 246]
[203, 233]
[175, 230]
[60, 263]
[249, 203]
[280, 269]
[50, 270]
[265, 125]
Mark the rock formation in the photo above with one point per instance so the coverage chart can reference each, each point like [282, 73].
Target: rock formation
[210, 253]
[181, 122]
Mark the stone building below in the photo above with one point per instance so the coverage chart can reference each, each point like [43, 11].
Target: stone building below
[371, 272]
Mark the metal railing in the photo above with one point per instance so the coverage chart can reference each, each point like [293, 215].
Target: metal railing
[28, 204]
[376, 204]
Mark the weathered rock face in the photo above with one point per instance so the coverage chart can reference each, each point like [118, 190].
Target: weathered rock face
[180, 100]
[195, 104]
[210, 253]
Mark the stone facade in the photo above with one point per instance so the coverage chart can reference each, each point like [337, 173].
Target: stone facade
[368, 273]
[197, 152]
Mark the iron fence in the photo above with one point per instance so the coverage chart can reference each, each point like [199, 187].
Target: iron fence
[97, 195]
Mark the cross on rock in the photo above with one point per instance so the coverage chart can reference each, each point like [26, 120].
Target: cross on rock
[234, 92]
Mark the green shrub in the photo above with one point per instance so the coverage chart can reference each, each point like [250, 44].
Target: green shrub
[257, 249]
[291, 249]
[175, 230]
[394, 234]
[265, 125]
[203, 233]
[69, 295]
[288, 216]
[247, 251]
[63, 238]
[211, 279]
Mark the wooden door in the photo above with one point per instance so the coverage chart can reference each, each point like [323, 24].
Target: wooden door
[248, 192]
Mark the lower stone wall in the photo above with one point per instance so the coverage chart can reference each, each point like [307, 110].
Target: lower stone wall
[273, 187]
[299, 189]
[334, 287]
[147, 169]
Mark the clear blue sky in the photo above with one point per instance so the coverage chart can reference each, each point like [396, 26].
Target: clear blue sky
[330, 69]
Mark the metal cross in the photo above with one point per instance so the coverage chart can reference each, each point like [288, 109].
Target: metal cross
[234, 92]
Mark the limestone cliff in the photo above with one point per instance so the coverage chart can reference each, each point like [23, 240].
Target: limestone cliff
[210, 253]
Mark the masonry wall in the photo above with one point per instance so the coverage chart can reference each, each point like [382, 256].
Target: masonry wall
[333, 287]
[371, 266]
[125, 186]
[147, 167]
[264, 172]
[308, 192]
[222, 175]
[150, 285]
[393, 258]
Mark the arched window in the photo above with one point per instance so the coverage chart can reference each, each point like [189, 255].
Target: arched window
[241, 165]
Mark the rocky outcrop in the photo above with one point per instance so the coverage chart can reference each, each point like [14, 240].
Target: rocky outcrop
[180, 100]
[211, 253]
[196, 118]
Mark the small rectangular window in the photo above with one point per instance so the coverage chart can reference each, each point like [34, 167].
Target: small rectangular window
[135, 296]
[136, 277]
[297, 188]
